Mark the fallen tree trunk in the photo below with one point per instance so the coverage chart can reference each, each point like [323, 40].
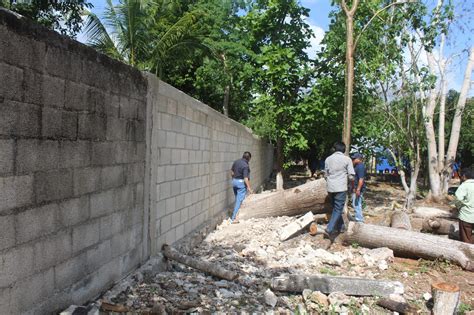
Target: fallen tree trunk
[327, 284]
[440, 226]
[196, 263]
[430, 212]
[399, 307]
[445, 298]
[296, 226]
[311, 196]
[400, 220]
[411, 244]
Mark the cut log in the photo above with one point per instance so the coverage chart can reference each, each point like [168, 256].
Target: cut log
[411, 244]
[395, 306]
[199, 264]
[296, 226]
[440, 226]
[429, 212]
[445, 298]
[327, 284]
[311, 196]
[315, 229]
[322, 217]
[400, 220]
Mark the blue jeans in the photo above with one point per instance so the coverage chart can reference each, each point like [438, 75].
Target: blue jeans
[240, 191]
[357, 205]
[336, 223]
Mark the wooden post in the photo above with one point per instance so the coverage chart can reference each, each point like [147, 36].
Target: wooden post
[445, 298]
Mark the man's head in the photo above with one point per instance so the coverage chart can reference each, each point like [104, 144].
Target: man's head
[247, 155]
[468, 173]
[357, 158]
[339, 147]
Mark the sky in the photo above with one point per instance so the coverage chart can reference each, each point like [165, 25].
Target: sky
[319, 22]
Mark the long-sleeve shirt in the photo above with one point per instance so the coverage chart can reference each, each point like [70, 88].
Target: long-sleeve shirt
[337, 168]
[465, 201]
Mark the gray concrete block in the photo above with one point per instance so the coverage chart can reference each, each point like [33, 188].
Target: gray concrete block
[99, 255]
[116, 128]
[123, 198]
[73, 211]
[102, 203]
[111, 225]
[128, 108]
[85, 235]
[31, 88]
[164, 190]
[70, 271]
[53, 185]
[135, 172]
[112, 176]
[34, 223]
[175, 218]
[87, 180]
[52, 250]
[92, 127]
[19, 119]
[165, 223]
[37, 155]
[112, 105]
[7, 235]
[58, 123]
[170, 139]
[165, 156]
[97, 101]
[6, 156]
[15, 191]
[170, 173]
[103, 153]
[28, 292]
[14, 76]
[179, 232]
[53, 91]
[5, 293]
[76, 96]
[74, 153]
[170, 205]
[58, 62]
[16, 263]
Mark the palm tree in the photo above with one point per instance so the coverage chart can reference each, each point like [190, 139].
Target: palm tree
[135, 32]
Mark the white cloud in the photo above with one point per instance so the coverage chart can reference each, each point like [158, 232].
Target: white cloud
[318, 35]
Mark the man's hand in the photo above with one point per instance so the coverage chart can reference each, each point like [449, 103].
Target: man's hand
[358, 192]
[250, 191]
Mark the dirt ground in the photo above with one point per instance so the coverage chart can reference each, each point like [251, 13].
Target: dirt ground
[253, 250]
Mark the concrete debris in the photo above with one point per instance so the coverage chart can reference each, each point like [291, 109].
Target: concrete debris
[270, 298]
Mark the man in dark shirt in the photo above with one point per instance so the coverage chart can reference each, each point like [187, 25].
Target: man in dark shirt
[240, 182]
[358, 188]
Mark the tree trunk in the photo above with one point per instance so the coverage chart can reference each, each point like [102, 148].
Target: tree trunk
[311, 196]
[430, 212]
[440, 226]
[445, 298]
[327, 284]
[296, 226]
[402, 243]
[226, 100]
[201, 265]
[279, 158]
[400, 220]
[399, 307]
[457, 120]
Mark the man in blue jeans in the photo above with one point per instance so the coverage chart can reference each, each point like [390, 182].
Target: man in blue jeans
[337, 170]
[240, 182]
[358, 188]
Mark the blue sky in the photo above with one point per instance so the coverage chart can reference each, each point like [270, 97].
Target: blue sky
[319, 21]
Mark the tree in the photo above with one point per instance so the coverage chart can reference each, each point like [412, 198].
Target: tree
[63, 16]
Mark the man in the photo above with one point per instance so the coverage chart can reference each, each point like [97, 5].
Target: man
[465, 203]
[337, 169]
[240, 182]
[358, 188]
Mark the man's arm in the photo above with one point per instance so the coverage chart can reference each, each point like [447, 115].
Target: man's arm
[247, 183]
[460, 196]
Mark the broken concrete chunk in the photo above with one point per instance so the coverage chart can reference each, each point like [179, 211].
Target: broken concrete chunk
[270, 298]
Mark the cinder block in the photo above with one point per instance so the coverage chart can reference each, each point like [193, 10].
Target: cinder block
[34, 223]
[128, 108]
[176, 156]
[136, 172]
[96, 100]
[53, 185]
[170, 139]
[19, 119]
[74, 153]
[15, 191]
[165, 223]
[73, 211]
[112, 176]
[179, 232]
[99, 255]
[112, 105]
[92, 126]
[164, 190]
[170, 205]
[58, 62]
[139, 194]
[175, 188]
[53, 91]
[103, 153]
[16, 264]
[76, 96]
[7, 235]
[85, 235]
[70, 271]
[170, 173]
[31, 88]
[116, 129]
[59, 123]
[175, 218]
[28, 292]
[140, 132]
[37, 155]
[102, 203]
[5, 293]
[165, 156]
[123, 198]
[52, 250]
[86, 180]
[14, 76]
[6, 156]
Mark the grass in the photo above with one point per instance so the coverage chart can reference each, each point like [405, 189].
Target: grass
[328, 271]
[463, 308]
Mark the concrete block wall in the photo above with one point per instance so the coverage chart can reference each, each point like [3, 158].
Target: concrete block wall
[100, 165]
[72, 161]
[192, 150]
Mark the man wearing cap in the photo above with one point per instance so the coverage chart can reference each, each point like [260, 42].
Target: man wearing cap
[240, 172]
[358, 187]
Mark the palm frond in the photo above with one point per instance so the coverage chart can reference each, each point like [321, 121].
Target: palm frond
[98, 37]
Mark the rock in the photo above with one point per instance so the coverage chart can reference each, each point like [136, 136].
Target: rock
[158, 309]
[397, 298]
[365, 309]
[302, 309]
[306, 294]
[427, 296]
[320, 298]
[383, 265]
[270, 298]
[338, 298]
[327, 257]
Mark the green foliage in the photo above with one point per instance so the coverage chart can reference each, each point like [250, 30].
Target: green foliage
[463, 308]
[63, 16]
